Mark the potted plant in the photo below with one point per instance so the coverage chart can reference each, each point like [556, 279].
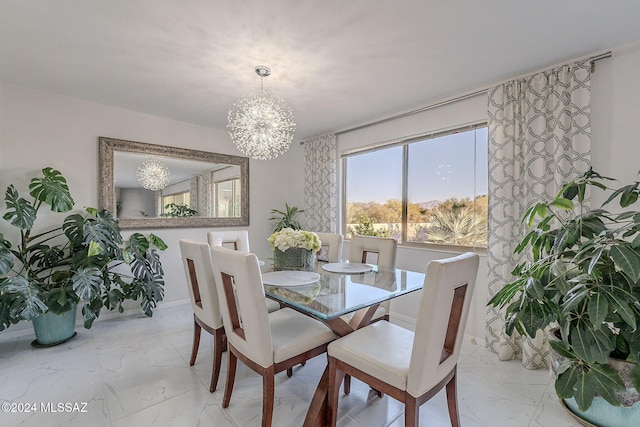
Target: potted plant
[286, 218]
[175, 210]
[80, 260]
[583, 277]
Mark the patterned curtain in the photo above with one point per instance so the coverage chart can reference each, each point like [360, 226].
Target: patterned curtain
[320, 184]
[193, 195]
[205, 195]
[539, 137]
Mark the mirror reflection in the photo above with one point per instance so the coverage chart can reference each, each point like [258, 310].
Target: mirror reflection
[195, 188]
[148, 185]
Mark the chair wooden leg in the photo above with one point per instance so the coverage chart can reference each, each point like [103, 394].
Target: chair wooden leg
[289, 372]
[267, 396]
[335, 378]
[231, 377]
[347, 384]
[411, 412]
[218, 344]
[196, 342]
[452, 402]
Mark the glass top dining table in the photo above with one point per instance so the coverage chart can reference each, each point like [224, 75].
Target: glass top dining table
[332, 295]
[339, 292]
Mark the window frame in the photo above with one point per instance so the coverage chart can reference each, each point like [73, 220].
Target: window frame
[172, 195]
[235, 183]
[404, 143]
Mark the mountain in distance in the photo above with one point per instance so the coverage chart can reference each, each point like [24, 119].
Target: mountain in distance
[429, 205]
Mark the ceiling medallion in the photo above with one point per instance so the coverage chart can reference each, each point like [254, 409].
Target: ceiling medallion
[261, 126]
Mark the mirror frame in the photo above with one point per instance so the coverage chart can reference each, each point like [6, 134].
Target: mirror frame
[107, 146]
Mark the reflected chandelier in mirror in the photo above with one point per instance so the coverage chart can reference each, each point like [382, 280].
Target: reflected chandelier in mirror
[204, 190]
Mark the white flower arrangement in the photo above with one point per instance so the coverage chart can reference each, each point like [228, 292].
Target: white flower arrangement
[288, 238]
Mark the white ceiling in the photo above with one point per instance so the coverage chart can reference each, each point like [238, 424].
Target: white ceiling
[336, 62]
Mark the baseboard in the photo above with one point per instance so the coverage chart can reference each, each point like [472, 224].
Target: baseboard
[409, 322]
[106, 315]
[24, 328]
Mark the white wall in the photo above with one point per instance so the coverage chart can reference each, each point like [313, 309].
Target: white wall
[136, 203]
[45, 129]
[615, 114]
[1, 120]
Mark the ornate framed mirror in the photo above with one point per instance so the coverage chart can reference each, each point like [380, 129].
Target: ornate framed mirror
[193, 188]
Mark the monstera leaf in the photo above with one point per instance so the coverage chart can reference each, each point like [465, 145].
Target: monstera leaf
[104, 231]
[20, 212]
[6, 257]
[22, 298]
[53, 190]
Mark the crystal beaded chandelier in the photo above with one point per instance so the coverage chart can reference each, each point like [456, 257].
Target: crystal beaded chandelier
[261, 126]
[153, 175]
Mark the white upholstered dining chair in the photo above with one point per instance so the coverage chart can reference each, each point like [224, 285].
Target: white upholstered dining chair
[238, 240]
[233, 239]
[373, 250]
[379, 251]
[196, 257]
[412, 366]
[267, 343]
[331, 247]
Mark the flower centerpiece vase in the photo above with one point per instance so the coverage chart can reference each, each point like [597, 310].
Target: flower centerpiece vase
[294, 249]
[294, 259]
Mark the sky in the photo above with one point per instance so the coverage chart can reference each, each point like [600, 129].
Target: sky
[439, 168]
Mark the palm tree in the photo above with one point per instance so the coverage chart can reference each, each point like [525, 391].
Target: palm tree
[457, 225]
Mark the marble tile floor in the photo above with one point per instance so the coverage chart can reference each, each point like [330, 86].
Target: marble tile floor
[134, 371]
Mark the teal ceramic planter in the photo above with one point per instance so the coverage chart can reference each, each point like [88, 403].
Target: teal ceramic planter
[601, 413]
[52, 329]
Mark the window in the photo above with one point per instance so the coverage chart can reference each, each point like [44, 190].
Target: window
[176, 205]
[227, 198]
[374, 193]
[427, 190]
[177, 199]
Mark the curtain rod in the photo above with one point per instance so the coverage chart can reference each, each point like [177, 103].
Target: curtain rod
[416, 111]
[592, 59]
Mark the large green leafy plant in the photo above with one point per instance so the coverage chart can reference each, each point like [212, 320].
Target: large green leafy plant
[81, 260]
[584, 277]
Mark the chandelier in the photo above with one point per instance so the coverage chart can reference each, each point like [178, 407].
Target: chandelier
[261, 126]
[153, 175]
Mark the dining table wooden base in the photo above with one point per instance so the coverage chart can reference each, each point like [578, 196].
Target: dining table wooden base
[317, 413]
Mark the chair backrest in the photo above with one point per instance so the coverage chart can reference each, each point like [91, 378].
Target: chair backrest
[373, 250]
[196, 258]
[442, 316]
[244, 312]
[236, 239]
[331, 249]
